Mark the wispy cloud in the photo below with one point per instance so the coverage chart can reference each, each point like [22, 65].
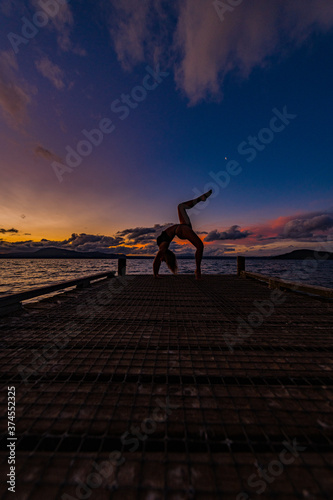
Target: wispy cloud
[140, 30]
[129, 30]
[15, 95]
[247, 37]
[46, 154]
[62, 23]
[52, 72]
[7, 7]
[204, 49]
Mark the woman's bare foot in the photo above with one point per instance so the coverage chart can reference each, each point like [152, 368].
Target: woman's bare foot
[204, 197]
[198, 275]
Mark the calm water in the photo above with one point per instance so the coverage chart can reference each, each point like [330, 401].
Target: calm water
[21, 274]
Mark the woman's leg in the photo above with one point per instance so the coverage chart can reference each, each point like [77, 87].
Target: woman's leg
[192, 237]
[182, 207]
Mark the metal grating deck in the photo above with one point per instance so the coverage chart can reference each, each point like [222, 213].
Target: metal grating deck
[142, 366]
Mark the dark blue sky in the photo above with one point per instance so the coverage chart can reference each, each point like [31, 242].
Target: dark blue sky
[222, 77]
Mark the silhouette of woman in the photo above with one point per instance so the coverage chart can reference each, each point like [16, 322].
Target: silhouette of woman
[184, 231]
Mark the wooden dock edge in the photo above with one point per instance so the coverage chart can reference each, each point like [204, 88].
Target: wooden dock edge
[13, 303]
[320, 291]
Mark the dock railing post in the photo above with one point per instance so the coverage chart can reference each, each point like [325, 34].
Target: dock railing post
[240, 264]
[122, 266]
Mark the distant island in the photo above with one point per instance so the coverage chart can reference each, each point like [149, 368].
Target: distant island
[62, 253]
[305, 254]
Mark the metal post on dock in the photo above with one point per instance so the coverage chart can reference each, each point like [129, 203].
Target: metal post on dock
[240, 265]
[122, 266]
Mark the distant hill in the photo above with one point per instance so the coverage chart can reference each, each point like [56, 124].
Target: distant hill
[304, 254]
[60, 253]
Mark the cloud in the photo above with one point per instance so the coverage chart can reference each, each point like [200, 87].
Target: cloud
[129, 29]
[139, 30]
[7, 7]
[51, 71]
[233, 233]
[207, 45]
[248, 36]
[3, 231]
[79, 242]
[62, 24]
[85, 242]
[140, 241]
[307, 227]
[311, 227]
[14, 94]
[137, 232]
[143, 235]
[17, 246]
[46, 154]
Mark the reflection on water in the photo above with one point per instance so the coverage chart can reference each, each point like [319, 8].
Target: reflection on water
[17, 275]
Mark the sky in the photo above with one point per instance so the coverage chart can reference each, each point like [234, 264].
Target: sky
[113, 112]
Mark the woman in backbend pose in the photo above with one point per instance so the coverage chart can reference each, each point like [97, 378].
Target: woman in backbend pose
[184, 231]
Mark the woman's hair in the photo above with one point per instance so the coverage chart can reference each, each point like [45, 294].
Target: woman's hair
[171, 261]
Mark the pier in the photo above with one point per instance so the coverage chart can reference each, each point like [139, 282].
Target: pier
[132, 387]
